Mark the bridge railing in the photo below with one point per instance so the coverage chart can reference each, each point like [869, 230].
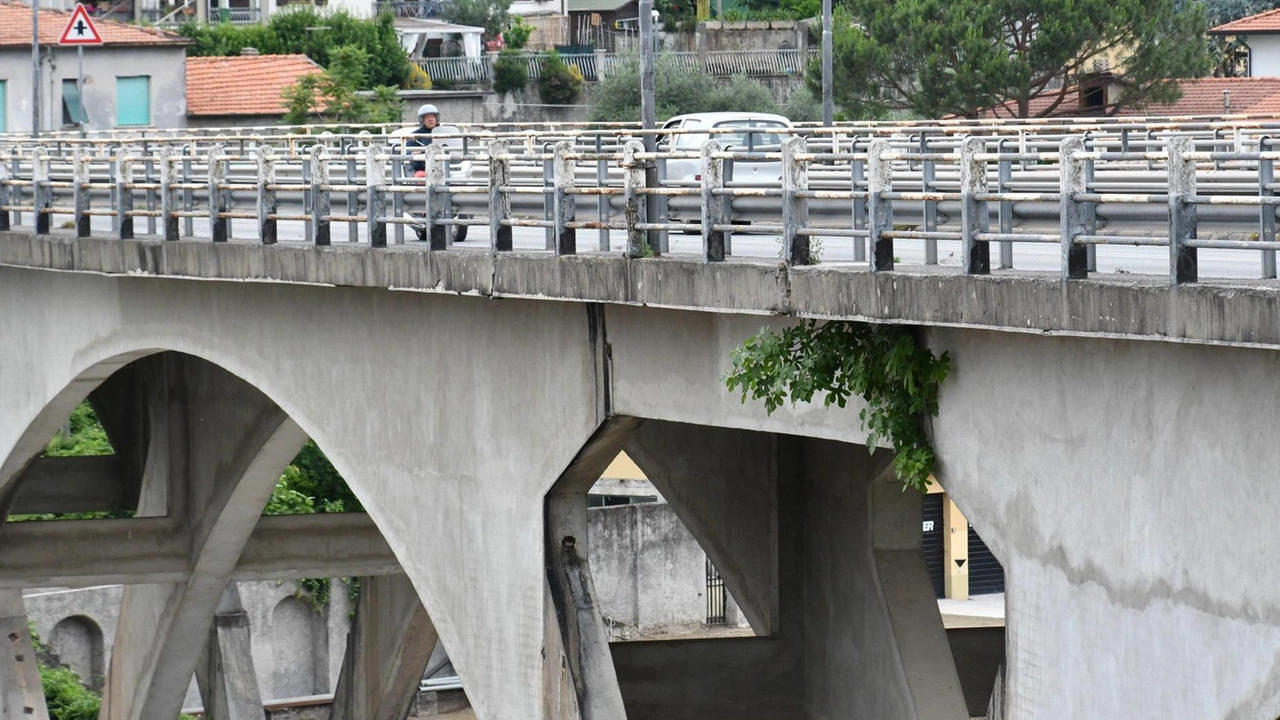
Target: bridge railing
[871, 195]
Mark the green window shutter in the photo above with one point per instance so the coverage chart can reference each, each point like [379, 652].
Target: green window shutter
[133, 100]
[72, 108]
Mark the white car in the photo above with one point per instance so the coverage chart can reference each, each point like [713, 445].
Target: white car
[746, 132]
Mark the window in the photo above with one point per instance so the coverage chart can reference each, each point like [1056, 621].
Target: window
[4, 104]
[133, 100]
[72, 108]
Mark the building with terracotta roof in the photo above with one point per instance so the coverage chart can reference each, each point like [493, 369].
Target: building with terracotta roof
[1261, 35]
[135, 78]
[241, 90]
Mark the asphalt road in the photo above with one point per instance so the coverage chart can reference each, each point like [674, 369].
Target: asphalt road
[1038, 257]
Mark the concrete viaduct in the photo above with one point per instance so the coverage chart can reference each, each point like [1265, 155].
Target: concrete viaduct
[1113, 440]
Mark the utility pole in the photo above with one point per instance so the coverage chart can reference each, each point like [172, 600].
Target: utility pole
[828, 104]
[648, 115]
[35, 68]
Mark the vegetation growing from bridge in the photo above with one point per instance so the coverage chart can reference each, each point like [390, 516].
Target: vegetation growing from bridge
[882, 364]
[1030, 57]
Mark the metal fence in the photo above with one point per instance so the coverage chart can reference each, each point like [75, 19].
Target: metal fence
[724, 63]
[1181, 189]
[715, 596]
[756, 63]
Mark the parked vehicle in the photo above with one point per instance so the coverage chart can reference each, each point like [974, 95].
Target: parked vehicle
[748, 132]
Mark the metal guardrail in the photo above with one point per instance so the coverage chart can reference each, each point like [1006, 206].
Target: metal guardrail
[412, 8]
[756, 63]
[1185, 192]
[475, 71]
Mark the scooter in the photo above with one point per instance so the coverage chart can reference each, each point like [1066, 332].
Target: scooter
[418, 222]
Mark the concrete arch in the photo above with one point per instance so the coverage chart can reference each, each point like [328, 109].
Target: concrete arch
[78, 643]
[293, 649]
[447, 401]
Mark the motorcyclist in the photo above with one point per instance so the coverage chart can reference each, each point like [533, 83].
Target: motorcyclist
[428, 119]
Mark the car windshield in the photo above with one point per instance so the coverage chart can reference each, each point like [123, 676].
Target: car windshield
[739, 140]
[749, 137]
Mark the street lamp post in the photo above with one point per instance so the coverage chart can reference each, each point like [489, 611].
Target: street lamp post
[828, 104]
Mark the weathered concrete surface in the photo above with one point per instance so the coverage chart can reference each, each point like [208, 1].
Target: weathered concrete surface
[21, 695]
[225, 673]
[1128, 490]
[388, 648]
[1226, 313]
[75, 484]
[225, 445]
[428, 471]
[978, 652]
[722, 485]
[157, 550]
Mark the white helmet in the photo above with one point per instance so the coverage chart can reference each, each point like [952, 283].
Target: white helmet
[428, 109]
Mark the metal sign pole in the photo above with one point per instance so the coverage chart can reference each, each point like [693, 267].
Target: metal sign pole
[80, 85]
[35, 68]
[828, 106]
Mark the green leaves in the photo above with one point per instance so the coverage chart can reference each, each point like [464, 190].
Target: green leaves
[881, 364]
[939, 57]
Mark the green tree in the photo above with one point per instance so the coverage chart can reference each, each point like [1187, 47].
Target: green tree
[1230, 54]
[492, 15]
[510, 72]
[516, 36]
[317, 35]
[938, 57]
[333, 94]
[676, 91]
[558, 84]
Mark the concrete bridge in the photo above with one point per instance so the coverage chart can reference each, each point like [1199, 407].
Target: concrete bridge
[1109, 437]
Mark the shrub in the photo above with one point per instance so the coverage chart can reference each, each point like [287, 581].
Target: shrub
[557, 85]
[677, 91]
[510, 72]
[66, 698]
[516, 37]
[418, 78]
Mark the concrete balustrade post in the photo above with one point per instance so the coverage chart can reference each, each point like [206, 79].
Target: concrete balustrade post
[633, 202]
[320, 198]
[1004, 179]
[1267, 214]
[217, 194]
[6, 177]
[857, 179]
[1183, 263]
[975, 255]
[124, 196]
[40, 190]
[1075, 260]
[81, 193]
[795, 209]
[375, 198]
[267, 204]
[879, 208]
[713, 249]
[188, 195]
[564, 203]
[437, 202]
[499, 200]
[168, 196]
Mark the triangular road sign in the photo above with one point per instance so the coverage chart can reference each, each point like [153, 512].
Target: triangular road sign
[80, 29]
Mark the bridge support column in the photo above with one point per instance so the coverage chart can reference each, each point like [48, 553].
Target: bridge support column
[21, 695]
[225, 674]
[388, 650]
[821, 548]
[217, 448]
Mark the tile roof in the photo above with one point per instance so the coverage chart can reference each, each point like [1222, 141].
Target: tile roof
[15, 29]
[1203, 96]
[243, 85]
[1263, 22]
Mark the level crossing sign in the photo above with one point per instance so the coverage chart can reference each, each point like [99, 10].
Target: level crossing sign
[80, 29]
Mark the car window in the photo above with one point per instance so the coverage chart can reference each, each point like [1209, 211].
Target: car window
[751, 134]
[691, 140]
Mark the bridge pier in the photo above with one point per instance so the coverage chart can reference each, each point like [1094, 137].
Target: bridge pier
[225, 673]
[821, 548]
[388, 650]
[217, 447]
[21, 695]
